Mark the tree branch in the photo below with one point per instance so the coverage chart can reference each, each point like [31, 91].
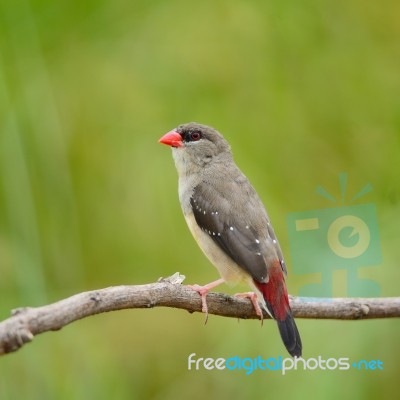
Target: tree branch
[27, 322]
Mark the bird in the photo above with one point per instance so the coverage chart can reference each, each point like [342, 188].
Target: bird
[230, 224]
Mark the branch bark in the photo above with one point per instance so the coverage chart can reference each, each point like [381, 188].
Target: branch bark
[27, 322]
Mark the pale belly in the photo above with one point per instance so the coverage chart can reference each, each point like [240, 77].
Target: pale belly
[230, 272]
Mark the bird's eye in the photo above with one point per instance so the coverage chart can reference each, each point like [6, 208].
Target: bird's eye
[195, 136]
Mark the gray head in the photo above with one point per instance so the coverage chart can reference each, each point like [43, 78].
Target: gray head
[195, 145]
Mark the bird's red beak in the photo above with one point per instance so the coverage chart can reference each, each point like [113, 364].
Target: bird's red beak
[172, 139]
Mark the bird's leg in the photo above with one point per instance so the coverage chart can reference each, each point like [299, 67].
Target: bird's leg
[253, 298]
[202, 291]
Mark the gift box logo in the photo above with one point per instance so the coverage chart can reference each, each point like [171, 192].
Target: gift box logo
[345, 237]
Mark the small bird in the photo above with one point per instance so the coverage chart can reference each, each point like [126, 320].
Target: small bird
[230, 224]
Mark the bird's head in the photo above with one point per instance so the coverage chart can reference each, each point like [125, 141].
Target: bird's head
[195, 145]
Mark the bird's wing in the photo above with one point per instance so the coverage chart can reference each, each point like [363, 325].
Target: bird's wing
[236, 232]
[272, 236]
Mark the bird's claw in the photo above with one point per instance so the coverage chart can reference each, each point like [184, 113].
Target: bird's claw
[254, 301]
[202, 291]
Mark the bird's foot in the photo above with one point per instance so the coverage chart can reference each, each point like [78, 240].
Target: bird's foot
[202, 291]
[253, 298]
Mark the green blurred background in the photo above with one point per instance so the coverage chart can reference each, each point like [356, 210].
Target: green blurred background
[88, 198]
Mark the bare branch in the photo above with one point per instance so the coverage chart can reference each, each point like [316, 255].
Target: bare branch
[27, 322]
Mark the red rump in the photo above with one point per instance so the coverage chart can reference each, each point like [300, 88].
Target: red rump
[275, 293]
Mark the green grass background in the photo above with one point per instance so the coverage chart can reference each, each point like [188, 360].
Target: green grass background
[303, 90]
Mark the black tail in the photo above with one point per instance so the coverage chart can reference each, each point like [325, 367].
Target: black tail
[290, 335]
[277, 302]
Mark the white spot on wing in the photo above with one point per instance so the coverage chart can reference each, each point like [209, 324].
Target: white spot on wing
[231, 228]
[257, 241]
